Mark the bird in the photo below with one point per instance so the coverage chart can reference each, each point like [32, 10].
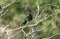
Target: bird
[28, 18]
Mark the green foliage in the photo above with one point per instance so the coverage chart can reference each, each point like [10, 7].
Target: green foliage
[18, 12]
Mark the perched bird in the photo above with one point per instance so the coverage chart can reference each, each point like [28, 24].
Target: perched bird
[28, 18]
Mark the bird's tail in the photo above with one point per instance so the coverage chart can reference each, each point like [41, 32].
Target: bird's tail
[24, 22]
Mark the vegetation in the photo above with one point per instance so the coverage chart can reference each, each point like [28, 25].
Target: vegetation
[45, 23]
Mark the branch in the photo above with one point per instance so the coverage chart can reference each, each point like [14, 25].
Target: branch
[14, 35]
[54, 35]
[8, 5]
[4, 13]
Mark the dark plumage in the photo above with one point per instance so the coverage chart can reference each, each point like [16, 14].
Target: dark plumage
[28, 18]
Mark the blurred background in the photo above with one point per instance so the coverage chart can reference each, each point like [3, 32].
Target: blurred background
[46, 16]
